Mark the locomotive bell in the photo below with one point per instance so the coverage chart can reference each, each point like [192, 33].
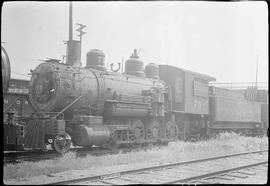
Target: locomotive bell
[134, 65]
[95, 59]
[152, 71]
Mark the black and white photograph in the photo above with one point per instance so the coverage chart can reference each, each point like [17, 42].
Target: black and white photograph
[135, 92]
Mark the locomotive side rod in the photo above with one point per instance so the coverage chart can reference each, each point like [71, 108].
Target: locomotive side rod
[68, 106]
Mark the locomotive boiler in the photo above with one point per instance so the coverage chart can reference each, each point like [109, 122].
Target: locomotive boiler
[93, 106]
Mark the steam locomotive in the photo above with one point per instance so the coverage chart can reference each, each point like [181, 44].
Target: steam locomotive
[90, 105]
[156, 104]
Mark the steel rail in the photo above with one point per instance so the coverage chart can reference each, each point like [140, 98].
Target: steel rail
[119, 173]
[210, 175]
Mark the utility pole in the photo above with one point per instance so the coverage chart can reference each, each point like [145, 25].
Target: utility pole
[70, 22]
[256, 72]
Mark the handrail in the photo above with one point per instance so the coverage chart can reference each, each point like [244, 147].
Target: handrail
[68, 106]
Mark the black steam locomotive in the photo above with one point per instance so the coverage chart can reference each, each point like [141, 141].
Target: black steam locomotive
[91, 106]
[156, 104]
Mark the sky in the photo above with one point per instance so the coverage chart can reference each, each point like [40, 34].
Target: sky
[220, 39]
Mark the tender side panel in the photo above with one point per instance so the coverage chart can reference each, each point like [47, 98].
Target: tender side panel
[226, 93]
[227, 109]
[228, 106]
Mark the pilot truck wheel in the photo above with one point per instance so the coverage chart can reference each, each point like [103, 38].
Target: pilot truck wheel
[61, 143]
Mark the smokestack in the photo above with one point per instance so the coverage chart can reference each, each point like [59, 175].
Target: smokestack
[73, 46]
[70, 22]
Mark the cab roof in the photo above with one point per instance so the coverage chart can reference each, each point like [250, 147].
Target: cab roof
[198, 75]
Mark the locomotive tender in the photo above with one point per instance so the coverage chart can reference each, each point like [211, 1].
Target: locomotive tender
[230, 110]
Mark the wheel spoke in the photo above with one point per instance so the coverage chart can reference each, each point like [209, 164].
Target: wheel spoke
[171, 130]
[136, 131]
[61, 144]
[153, 130]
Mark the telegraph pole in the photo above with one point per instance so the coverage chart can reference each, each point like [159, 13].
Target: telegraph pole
[256, 72]
[70, 22]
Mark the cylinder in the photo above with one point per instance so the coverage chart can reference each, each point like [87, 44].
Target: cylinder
[95, 59]
[87, 136]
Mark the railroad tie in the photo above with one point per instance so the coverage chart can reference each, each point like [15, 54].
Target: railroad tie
[237, 175]
[246, 172]
[202, 182]
[223, 177]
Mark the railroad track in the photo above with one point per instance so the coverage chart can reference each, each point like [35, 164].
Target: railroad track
[18, 157]
[209, 170]
[33, 156]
